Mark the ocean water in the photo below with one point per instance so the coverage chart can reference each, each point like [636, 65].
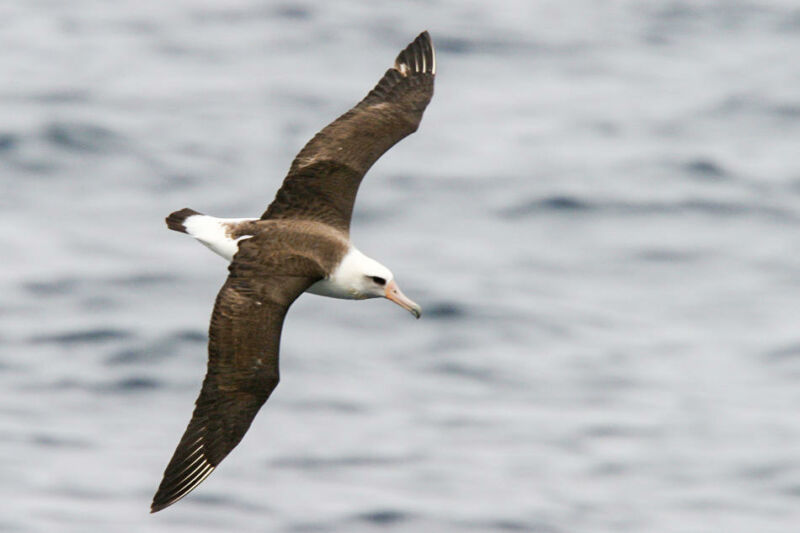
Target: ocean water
[600, 215]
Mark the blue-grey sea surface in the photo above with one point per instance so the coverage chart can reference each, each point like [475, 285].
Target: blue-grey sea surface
[600, 215]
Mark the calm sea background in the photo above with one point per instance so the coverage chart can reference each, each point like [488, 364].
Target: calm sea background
[600, 215]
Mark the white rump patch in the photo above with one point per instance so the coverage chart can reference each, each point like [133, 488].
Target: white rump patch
[213, 233]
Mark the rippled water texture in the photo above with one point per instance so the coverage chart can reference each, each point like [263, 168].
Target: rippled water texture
[600, 215]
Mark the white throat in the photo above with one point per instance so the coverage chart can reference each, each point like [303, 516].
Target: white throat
[347, 280]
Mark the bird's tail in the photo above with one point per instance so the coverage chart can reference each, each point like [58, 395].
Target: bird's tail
[221, 235]
[175, 221]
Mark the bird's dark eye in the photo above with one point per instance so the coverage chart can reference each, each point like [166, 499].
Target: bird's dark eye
[379, 280]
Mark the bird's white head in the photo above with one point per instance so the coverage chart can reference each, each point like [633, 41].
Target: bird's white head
[366, 278]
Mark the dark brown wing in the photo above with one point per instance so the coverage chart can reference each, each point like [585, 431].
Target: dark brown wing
[243, 343]
[323, 180]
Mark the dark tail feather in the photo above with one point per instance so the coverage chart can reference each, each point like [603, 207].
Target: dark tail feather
[175, 220]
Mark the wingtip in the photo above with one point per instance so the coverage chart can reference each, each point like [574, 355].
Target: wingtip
[157, 506]
[418, 57]
[176, 485]
[425, 37]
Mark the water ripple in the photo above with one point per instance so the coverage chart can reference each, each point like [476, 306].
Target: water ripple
[87, 336]
[81, 137]
[706, 207]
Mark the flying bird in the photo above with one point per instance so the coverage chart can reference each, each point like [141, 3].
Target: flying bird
[300, 244]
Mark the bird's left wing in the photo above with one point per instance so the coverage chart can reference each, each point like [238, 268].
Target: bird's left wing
[244, 339]
[324, 177]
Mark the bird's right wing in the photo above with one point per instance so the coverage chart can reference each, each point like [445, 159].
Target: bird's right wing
[244, 339]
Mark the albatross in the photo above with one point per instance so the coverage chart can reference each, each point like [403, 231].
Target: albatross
[300, 244]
